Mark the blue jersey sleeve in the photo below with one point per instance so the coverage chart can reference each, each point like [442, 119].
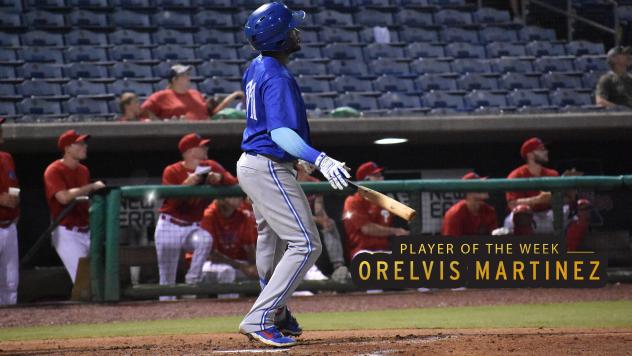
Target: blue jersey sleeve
[281, 104]
[293, 144]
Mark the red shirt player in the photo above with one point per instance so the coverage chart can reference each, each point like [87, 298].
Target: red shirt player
[470, 216]
[578, 226]
[367, 225]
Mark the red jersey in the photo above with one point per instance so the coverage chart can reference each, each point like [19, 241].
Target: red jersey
[190, 209]
[167, 104]
[59, 177]
[358, 212]
[460, 221]
[575, 233]
[8, 179]
[232, 234]
[523, 172]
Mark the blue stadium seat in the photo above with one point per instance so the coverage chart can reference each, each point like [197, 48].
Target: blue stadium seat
[442, 112]
[392, 101]
[418, 35]
[80, 87]
[560, 80]
[625, 13]
[86, 38]
[497, 34]
[451, 17]
[591, 63]
[476, 81]
[44, 19]
[130, 70]
[456, 34]
[84, 18]
[89, 3]
[85, 54]
[206, 36]
[345, 4]
[39, 87]
[163, 69]
[130, 85]
[9, 20]
[130, 19]
[504, 65]
[371, 17]
[331, 17]
[464, 50]
[131, 4]
[389, 83]
[86, 106]
[211, 51]
[129, 53]
[42, 54]
[590, 79]
[503, 49]
[306, 67]
[582, 48]
[174, 3]
[36, 106]
[389, 66]
[413, 18]
[342, 51]
[7, 71]
[565, 97]
[130, 37]
[443, 3]
[42, 4]
[542, 48]
[240, 18]
[534, 33]
[520, 98]
[7, 109]
[307, 36]
[316, 101]
[337, 35]
[347, 67]
[86, 70]
[308, 52]
[552, 64]
[217, 85]
[481, 98]
[42, 38]
[8, 55]
[345, 83]
[430, 65]
[170, 36]
[439, 99]
[471, 65]
[9, 40]
[373, 3]
[511, 81]
[300, 4]
[429, 82]
[7, 90]
[424, 50]
[487, 15]
[368, 35]
[39, 70]
[172, 19]
[246, 52]
[382, 50]
[215, 68]
[180, 53]
[357, 101]
[312, 85]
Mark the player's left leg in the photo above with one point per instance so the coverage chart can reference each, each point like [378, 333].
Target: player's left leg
[70, 246]
[200, 242]
[12, 266]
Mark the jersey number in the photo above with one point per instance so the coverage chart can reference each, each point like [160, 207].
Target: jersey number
[251, 108]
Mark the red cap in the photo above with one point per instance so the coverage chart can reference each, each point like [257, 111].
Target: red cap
[69, 137]
[583, 204]
[472, 175]
[367, 169]
[522, 209]
[530, 145]
[191, 140]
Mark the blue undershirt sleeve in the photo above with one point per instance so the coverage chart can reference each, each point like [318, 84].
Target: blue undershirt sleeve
[293, 144]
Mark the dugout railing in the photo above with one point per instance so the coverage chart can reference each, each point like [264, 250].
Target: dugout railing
[105, 225]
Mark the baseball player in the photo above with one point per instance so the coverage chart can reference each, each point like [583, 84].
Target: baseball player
[276, 134]
[9, 214]
[578, 225]
[178, 225]
[65, 180]
[470, 216]
[522, 222]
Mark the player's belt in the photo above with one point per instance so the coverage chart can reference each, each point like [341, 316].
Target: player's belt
[6, 223]
[271, 158]
[176, 221]
[81, 229]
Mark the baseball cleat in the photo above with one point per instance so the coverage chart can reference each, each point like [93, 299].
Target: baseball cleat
[272, 337]
[289, 325]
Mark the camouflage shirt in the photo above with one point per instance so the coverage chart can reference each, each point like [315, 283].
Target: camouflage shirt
[616, 89]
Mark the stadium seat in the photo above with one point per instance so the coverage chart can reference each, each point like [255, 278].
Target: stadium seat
[582, 48]
[520, 98]
[86, 106]
[44, 19]
[84, 18]
[39, 87]
[9, 40]
[439, 99]
[211, 51]
[371, 17]
[392, 101]
[306, 67]
[181, 53]
[337, 35]
[163, 69]
[590, 79]
[9, 20]
[542, 48]
[7, 109]
[246, 52]
[332, 18]
[481, 98]
[42, 54]
[503, 49]
[36, 106]
[430, 65]
[534, 33]
[344, 4]
[7, 71]
[389, 83]
[130, 70]
[424, 50]
[308, 52]
[357, 101]
[342, 51]
[560, 80]
[476, 81]
[471, 65]
[307, 36]
[389, 66]
[410, 34]
[129, 85]
[451, 17]
[7, 90]
[442, 112]
[367, 36]
[552, 64]
[85, 54]
[487, 15]
[174, 3]
[86, 70]
[217, 85]
[130, 37]
[373, 3]
[456, 34]
[86, 38]
[240, 18]
[129, 53]
[345, 83]
[505, 65]
[130, 19]
[42, 38]
[464, 50]
[497, 34]
[82, 88]
[7, 55]
[382, 50]
[172, 19]
[347, 67]
[171, 36]
[413, 18]
[215, 68]
[206, 36]
[312, 85]
[89, 3]
[318, 102]
[511, 81]
[39, 70]
[132, 4]
[429, 82]
[591, 63]
[565, 97]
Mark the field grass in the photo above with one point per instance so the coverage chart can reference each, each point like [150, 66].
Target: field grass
[608, 314]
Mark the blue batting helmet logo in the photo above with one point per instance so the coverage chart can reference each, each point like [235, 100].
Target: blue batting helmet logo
[268, 27]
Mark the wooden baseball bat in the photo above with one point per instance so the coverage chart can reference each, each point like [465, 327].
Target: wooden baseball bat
[403, 211]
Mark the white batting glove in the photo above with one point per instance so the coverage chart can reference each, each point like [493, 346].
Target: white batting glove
[333, 170]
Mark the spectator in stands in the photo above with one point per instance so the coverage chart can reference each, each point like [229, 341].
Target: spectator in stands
[578, 226]
[367, 225]
[179, 101]
[522, 222]
[470, 216]
[615, 87]
[130, 108]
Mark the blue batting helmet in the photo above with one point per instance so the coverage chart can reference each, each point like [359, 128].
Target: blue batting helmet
[268, 27]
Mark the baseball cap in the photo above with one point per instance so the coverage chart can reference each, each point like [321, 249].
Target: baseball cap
[367, 169]
[530, 145]
[583, 204]
[69, 137]
[472, 175]
[191, 140]
[615, 51]
[522, 209]
[178, 69]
